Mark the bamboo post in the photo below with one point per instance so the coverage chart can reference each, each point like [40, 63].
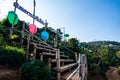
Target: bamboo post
[31, 57]
[41, 57]
[22, 35]
[34, 51]
[58, 63]
[62, 64]
[28, 42]
[76, 57]
[49, 63]
[11, 29]
[86, 68]
[79, 64]
[70, 70]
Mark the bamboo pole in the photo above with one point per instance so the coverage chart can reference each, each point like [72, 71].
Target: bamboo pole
[34, 51]
[22, 34]
[28, 42]
[41, 57]
[58, 63]
[76, 57]
[49, 63]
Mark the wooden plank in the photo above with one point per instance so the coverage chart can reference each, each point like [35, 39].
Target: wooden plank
[49, 54]
[67, 74]
[41, 45]
[49, 50]
[73, 74]
[64, 68]
[63, 60]
[64, 56]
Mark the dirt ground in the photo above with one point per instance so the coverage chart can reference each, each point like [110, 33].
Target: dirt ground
[8, 74]
[96, 77]
[14, 74]
[112, 74]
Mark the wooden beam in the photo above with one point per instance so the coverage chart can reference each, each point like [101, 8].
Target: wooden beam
[41, 57]
[28, 41]
[74, 72]
[63, 60]
[66, 67]
[49, 63]
[34, 51]
[58, 63]
[48, 54]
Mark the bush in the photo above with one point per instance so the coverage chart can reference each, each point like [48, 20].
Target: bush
[2, 40]
[119, 70]
[36, 70]
[12, 56]
[95, 69]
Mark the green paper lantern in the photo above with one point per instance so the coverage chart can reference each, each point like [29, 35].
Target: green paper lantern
[66, 35]
[12, 17]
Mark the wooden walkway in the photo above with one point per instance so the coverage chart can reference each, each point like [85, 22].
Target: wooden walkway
[76, 77]
[57, 61]
[81, 69]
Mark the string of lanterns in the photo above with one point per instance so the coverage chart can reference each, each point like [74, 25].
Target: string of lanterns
[13, 19]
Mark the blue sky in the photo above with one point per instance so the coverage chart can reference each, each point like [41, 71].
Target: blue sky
[86, 20]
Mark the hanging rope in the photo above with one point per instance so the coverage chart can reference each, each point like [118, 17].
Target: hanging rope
[34, 5]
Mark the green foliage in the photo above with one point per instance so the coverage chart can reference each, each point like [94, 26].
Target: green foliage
[95, 69]
[119, 70]
[104, 54]
[12, 56]
[5, 22]
[118, 54]
[104, 66]
[4, 33]
[36, 70]
[73, 44]
[14, 36]
[2, 42]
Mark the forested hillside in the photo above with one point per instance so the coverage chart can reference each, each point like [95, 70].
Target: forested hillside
[100, 54]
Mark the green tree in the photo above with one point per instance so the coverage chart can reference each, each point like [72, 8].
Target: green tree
[73, 43]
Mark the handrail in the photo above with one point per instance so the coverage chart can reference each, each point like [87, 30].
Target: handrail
[78, 69]
[65, 67]
[72, 74]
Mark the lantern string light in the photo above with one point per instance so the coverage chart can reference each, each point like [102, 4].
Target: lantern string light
[32, 27]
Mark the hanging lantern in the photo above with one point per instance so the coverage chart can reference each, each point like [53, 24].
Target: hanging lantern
[32, 28]
[66, 35]
[12, 17]
[44, 35]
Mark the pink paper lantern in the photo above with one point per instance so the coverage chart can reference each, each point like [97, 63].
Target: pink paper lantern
[32, 28]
